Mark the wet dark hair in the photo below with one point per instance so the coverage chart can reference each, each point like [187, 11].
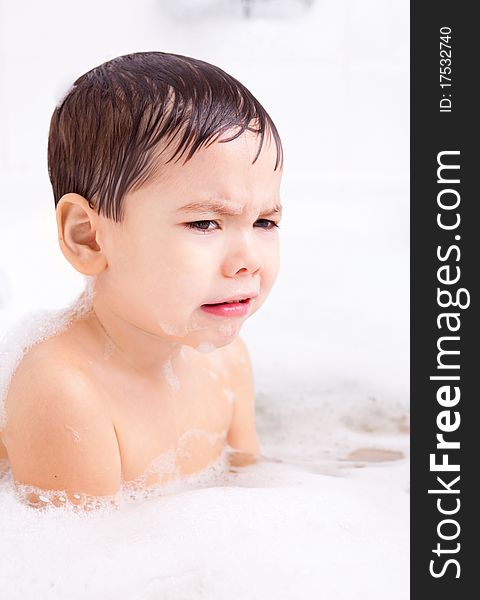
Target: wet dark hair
[108, 133]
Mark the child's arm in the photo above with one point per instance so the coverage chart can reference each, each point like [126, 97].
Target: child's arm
[242, 434]
[59, 436]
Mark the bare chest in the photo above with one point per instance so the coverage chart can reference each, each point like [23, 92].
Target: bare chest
[173, 431]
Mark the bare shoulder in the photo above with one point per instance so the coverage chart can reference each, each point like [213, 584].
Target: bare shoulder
[58, 434]
[46, 367]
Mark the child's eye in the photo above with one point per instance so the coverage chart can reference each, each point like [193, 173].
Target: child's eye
[198, 225]
[203, 225]
[271, 224]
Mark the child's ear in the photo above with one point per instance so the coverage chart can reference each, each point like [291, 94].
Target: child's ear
[77, 234]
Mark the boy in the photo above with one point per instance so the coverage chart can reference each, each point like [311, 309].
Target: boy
[166, 174]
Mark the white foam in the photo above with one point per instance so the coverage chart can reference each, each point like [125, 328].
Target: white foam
[212, 437]
[63, 91]
[5, 290]
[230, 395]
[183, 353]
[300, 506]
[76, 436]
[227, 329]
[168, 480]
[206, 347]
[162, 477]
[33, 328]
[170, 376]
[108, 349]
[170, 329]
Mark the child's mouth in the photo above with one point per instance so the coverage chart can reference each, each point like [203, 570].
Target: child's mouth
[231, 302]
[238, 308]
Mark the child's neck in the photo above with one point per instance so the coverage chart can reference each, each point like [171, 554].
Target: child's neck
[130, 347]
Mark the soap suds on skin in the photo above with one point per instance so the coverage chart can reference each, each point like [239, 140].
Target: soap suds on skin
[205, 347]
[227, 329]
[33, 328]
[108, 350]
[170, 330]
[170, 376]
[230, 396]
[161, 477]
[199, 433]
[75, 434]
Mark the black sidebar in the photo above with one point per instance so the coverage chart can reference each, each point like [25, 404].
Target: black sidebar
[445, 331]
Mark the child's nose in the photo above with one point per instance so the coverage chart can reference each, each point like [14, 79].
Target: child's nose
[242, 253]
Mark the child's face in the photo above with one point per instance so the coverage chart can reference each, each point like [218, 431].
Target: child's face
[160, 272]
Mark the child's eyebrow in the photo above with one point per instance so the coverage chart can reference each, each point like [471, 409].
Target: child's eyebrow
[223, 208]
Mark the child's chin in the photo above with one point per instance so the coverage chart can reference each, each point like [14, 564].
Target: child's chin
[223, 336]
